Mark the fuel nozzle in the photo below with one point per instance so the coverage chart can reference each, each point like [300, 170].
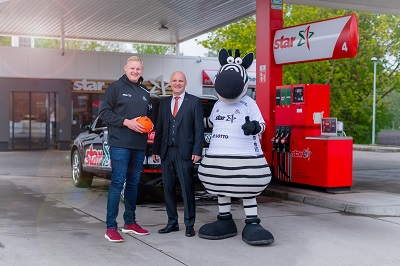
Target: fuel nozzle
[278, 139]
[285, 140]
[273, 140]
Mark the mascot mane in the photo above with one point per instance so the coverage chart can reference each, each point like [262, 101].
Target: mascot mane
[231, 81]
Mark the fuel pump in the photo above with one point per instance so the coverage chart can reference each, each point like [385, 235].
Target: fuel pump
[302, 154]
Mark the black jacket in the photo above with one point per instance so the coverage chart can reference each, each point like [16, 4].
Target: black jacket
[190, 127]
[122, 100]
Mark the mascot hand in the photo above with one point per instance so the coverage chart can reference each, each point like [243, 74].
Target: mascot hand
[251, 127]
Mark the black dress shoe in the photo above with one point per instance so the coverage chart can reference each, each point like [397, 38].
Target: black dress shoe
[169, 228]
[189, 231]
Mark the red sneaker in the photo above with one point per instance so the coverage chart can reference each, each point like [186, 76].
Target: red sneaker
[113, 236]
[134, 228]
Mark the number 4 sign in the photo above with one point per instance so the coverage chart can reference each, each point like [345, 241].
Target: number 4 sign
[320, 40]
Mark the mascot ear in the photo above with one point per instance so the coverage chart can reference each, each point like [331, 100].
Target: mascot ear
[248, 60]
[223, 56]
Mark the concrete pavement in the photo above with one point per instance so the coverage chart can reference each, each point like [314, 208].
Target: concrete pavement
[45, 220]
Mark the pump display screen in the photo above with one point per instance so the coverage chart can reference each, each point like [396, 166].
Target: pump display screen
[298, 94]
[329, 126]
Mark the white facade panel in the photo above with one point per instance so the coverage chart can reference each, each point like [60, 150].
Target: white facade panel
[15, 62]
[109, 66]
[39, 64]
[210, 63]
[64, 67]
[170, 65]
[193, 75]
[1, 65]
[87, 66]
[153, 67]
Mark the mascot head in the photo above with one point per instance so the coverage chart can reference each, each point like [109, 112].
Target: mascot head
[232, 80]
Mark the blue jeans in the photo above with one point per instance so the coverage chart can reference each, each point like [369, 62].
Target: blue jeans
[126, 166]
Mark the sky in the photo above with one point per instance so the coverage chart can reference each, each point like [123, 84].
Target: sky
[191, 48]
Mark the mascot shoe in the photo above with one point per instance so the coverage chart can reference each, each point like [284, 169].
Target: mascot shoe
[254, 234]
[223, 228]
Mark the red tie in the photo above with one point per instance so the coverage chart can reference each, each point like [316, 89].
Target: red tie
[175, 106]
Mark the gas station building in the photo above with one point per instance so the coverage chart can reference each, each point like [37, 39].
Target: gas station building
[46, 96]
[47, 93]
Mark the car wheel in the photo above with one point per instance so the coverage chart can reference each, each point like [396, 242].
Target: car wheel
[80, 178]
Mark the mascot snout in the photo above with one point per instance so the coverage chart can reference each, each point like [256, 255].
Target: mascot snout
[229, 86]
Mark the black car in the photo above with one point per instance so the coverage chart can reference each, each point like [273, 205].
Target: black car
[90, 154]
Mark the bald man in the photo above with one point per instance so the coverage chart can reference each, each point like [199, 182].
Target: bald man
[178, 143]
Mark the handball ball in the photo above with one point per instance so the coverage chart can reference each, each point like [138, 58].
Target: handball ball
[146, 123]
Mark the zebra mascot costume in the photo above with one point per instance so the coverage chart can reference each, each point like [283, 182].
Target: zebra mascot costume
[234, 165]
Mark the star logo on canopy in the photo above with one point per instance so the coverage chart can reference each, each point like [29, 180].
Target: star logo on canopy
[305, 36]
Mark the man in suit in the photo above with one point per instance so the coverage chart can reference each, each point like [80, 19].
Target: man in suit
[178, 142]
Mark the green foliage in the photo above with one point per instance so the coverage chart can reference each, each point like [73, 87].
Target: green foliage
[46, 43]
[153, 49]
[240, 35]
[102, 46]
[5, 40]
[351, 79]
[95, 46]
[80, 45]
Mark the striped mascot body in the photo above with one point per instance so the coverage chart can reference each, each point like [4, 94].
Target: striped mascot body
[234, 165]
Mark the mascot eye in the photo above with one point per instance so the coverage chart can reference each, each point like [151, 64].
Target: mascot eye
[230, 60]
[238, 60]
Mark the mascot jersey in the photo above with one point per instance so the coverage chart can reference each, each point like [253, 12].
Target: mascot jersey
[228, 137]
[234, 165]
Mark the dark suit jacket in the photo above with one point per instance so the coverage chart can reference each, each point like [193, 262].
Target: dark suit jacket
[189, 131]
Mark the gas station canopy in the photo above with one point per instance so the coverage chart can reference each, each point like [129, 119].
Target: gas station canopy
[144, 21]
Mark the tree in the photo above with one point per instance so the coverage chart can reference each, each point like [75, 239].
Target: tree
[46, 43]
[103, 46]
[5, 40]
[153, 49]
[80, 45]
[240, 35]
[350, 79]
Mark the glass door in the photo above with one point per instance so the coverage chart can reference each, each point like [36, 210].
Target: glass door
[20, 120]
[33, 120]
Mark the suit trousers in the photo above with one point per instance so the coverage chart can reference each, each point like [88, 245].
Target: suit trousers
[175, 168]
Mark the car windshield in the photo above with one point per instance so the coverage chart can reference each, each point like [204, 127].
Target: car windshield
[99, 124]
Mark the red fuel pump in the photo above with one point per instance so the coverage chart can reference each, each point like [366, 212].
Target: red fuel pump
[301, 154]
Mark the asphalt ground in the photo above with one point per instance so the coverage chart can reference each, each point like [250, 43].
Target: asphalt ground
[45, 220]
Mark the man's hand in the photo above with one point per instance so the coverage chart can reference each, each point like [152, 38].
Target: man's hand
[133, 125]
[195, 158]
[155, 158]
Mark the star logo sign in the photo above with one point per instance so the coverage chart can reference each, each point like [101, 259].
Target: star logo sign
[159, 84]
[305, 36]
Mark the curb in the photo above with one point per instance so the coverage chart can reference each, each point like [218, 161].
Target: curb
[347, 207]
[375, 148]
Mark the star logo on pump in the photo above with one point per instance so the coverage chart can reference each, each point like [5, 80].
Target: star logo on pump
[305, 36]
